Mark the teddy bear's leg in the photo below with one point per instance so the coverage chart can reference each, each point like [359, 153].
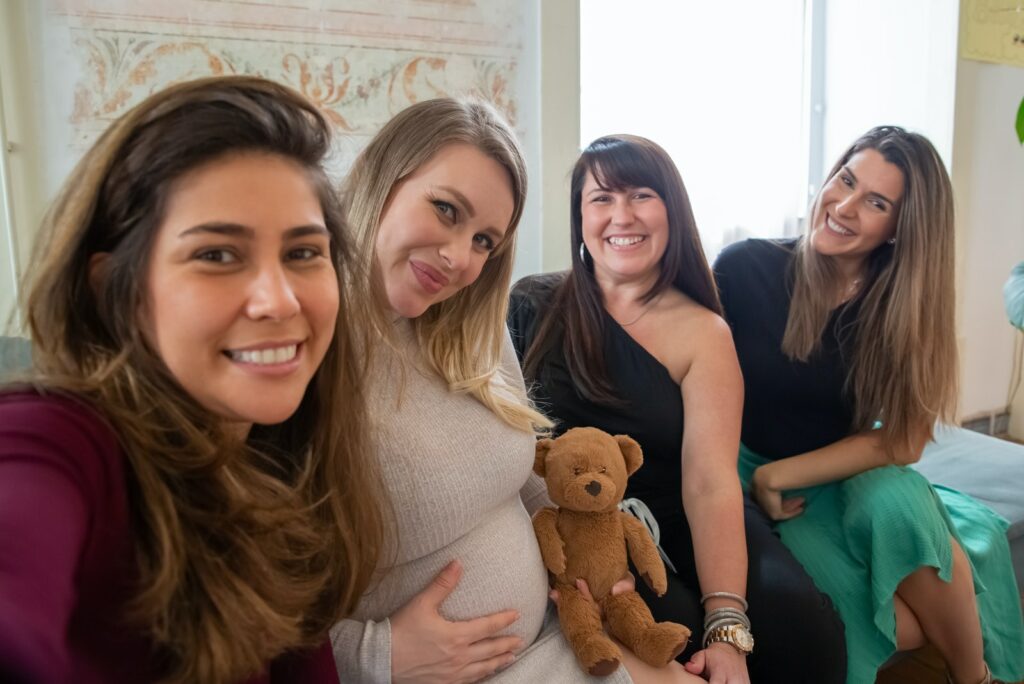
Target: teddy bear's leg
[630, 621]
[581, 625]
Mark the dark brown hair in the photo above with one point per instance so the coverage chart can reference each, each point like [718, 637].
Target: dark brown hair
[577, 312]
[244, 550]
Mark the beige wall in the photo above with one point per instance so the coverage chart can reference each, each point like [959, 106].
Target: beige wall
[560, 125]
[988, 178]
[68, 68]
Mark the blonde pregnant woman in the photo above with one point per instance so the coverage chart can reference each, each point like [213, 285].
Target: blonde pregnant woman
[462, 594]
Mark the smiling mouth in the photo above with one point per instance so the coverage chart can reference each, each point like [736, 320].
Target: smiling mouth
[836, 228]
[626, 241]
[264, 357]
[429, 278]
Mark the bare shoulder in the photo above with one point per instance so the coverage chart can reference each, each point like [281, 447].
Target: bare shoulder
[682, 333]
[698, 324]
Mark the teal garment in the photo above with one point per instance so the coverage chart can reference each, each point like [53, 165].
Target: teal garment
[860, 537]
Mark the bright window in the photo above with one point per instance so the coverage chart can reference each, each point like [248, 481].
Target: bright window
[720, 87]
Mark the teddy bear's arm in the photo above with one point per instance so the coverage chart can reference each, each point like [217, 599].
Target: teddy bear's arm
[552, 549]
[644, 554]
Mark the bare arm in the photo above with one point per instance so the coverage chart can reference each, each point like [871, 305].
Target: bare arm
[846, 458]
[713, 399]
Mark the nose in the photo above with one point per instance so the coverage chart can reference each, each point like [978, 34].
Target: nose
[846, 206]
[455, 253]
[272, 296]
[622, 214]
[594, 488]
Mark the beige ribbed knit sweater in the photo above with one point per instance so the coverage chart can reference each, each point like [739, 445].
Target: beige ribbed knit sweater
[461, 483]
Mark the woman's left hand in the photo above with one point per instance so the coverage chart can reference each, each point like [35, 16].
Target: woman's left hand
[771, 501]
[719, 664]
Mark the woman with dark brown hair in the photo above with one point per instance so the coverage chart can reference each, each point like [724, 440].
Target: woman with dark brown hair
[630, 339]
[847, 342]
[183, 490]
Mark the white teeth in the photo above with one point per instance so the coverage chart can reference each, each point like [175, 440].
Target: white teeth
[266, 356]
[835, 227]
[625, 241]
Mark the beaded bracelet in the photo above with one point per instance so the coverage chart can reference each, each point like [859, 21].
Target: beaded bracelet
[726, 595]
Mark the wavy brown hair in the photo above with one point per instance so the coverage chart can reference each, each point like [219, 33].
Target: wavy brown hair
[462, 336]
[904, 364]
[576, 318]
[244, 550]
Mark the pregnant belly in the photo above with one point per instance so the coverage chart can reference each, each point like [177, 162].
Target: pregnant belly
[501, 570]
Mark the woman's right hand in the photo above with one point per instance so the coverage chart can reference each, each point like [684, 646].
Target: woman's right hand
[427, 648]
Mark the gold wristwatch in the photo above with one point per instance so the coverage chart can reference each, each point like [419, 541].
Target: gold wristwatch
[737, 636]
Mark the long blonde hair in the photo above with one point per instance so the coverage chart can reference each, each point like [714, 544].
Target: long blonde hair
[461, 337]
[244, 550]
[904, 367]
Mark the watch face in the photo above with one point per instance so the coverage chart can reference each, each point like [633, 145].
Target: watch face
[743, 638]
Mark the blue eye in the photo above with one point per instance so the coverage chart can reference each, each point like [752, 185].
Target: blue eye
[447, 209]
[484, 241]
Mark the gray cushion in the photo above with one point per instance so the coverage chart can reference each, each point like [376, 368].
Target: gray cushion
[990, 470]
[15, 355]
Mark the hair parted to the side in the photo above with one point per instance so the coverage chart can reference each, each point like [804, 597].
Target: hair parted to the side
[577, 317]
[904, 369]
[244, 550]
[462, 336]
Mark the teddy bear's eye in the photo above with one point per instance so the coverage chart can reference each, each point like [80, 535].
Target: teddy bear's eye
[577, 470]
[603, 470]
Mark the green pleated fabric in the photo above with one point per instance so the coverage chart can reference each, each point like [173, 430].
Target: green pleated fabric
[860, 537]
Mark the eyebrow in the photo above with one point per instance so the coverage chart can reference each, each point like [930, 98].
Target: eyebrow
[875, 194]
[462, 199]
[471, 211]
[238, 230]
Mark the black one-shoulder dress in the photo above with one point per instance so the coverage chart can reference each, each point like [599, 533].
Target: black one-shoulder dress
[799, 637]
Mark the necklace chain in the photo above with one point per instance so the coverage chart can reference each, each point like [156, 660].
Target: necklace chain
[647, 307]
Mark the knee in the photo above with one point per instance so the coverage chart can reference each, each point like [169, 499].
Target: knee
[883, 498]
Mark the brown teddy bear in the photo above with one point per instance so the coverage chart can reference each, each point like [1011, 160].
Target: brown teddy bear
[587, 537]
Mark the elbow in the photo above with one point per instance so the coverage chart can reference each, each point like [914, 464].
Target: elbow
[909, 452]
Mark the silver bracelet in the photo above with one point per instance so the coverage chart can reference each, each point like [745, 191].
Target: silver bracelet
[726, 595]
[732, 614]
[725, 620]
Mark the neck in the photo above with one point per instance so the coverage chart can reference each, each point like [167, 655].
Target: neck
[851, 268]
[620, 294]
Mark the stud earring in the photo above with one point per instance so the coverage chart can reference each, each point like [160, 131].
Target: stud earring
[891, 241]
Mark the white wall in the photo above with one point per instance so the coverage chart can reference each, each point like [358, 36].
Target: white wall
[988, 178]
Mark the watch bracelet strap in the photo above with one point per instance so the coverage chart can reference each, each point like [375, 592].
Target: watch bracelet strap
[708, 636]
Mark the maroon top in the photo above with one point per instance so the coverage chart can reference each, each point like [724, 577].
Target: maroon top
[66, 554]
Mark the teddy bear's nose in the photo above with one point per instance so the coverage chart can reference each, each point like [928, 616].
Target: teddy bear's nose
[594, 488]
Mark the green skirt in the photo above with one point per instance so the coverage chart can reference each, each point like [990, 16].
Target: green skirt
[859, 538]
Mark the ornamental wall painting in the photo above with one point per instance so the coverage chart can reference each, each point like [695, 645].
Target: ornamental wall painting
[359, 61]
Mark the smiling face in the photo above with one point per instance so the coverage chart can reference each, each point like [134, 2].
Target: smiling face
[856, 211]
[242, 294]
[625, 231]
[440, 225]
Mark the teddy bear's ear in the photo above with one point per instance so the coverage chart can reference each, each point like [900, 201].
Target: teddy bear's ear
[543, 446]
[631, 452]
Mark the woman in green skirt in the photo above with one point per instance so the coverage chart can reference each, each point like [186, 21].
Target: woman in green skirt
[847, 344]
